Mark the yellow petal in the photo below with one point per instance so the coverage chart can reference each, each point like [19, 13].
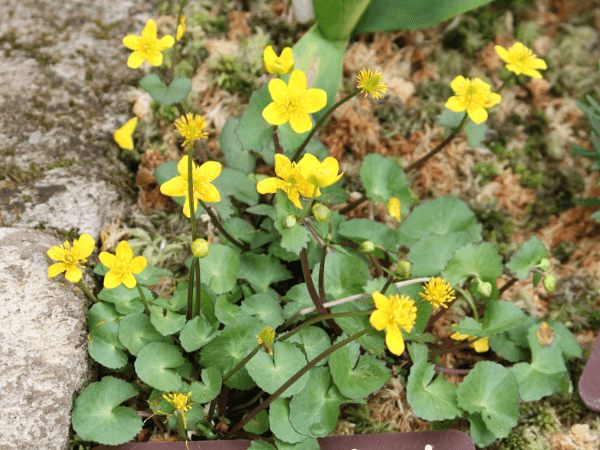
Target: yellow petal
[175, 187]
[381, 302]
[274, 114]
[295, 198]
[300, 123]
[182, 167]
[186, 207]
[502, 53]
[379, 320]
[155, 58]
[56, 253]
[456, 104]
[278, 90]
[84, 246]
[297, 81]
[537, 63]
[150, 29]
[459, 337]
[132, 42]
[211, 194]
[111, 280]
[316, 99]
[165, 42]
[287, 54]
[129, 281]
[135, 60]
[492, 100]
[395, 208]
[73, 274]
[283, 166]
[56, 269]
[107, 259]
[458, 83]
[477, 113]
[532, 73]
[269, 185]
[269, 57]
[394, 340]
[211, 170]
[124, 250]
[481, 345]
[123, 135]
[307, 165]
[138, 264]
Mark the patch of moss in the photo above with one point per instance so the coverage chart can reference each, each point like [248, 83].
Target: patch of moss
[168, 113]
[487, 171]
[573, 302]
[497, 225]
[226, 73]
[362, 417]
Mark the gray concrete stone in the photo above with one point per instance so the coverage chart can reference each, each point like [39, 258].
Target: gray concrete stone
[43, 352]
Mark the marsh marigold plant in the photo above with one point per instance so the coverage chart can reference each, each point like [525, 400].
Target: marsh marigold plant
[147, 47]
[474, 96]
[71, 258]
[280, 65]
[521, 60]
[321, 174]
[391, 314]
[190, 127]
[122, 266]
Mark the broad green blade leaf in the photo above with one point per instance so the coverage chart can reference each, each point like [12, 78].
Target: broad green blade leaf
[177, 91]
[333, 195]
[308, 444]
[314, 342]
[219, 269]
[260, 445]
[359, 230]
[225, 310]
[104, 345]
[154, 363]
[337, 18]
[235, 183]
[126, 300]
[278, 251]
[440, 216]
[196, 334]
[475, 133]
[500, 316]
[389, 15]
[480, 433]
[264, 306]
[315, 54]
[166, 322]
[253, 131]
[136, 331]
[507, 348]
[209, 388]
[384, 179]
[271, 372]
[532, 252]
[491, 390]
[431, 253]
[295, 238]
[261, 271]
[450, 118]
[279, 418]
[430, 400]
[258, 424]
[354, 377]
[235, 156]
[239, 229]
[344, 275]
[175, 303]
[263, 210]
[97, 417]
[481, 259]
[235, 342]
[315, 410]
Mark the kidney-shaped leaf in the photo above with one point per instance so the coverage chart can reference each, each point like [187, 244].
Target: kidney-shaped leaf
[219, 269]
[154, 363]
[481, 259]
[531, 254]
[104, 345]
[430, 255]
[209, 388]
[175, 93]
[136, 331]
[359, 230]
[384, 179]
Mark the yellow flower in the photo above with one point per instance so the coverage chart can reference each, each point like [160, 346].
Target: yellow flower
[190, 127]
[281, 65]
[266, 338]
[474, 96]
[71, 258]
[480, 345]
[180, 28]
[293, 102]
[395, 209]
[520, 60]
[123, 135]
[180, 402]
[147, 46]
[203, 189]
[122, 266]
[371, 82]
[291, 181]
[392, 314]
[320, 174]
[438, 292]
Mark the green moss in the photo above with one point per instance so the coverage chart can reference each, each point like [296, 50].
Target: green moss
[227, 74]
[497, 225]
[168, 113]
[486, 170]
[362, 417]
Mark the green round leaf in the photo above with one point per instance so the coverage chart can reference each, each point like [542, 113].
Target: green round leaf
[258, 424]
[209, 388]
[279, 418]
[532, 252]
[344, 275]
[235, 183]
[265, 307]
[261, 271]
[481, 259]
[314, 341]
[177, 91]
[196, 333]
[104, 345]
[430, 255]
[292, 239]
[166, 322]
[97, 417]
[475, 133]
[219, 269]
[359, 230]
[154, 363]
[126, 300]
[384, 179]
[136, 331]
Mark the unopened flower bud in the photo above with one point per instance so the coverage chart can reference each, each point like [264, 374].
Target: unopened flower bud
[367, 247]
[200, 248]
[544, 264]
[549, 283]
[485, 288]
[328, 237]
[404, 269]
[290, 221]
[321, 212]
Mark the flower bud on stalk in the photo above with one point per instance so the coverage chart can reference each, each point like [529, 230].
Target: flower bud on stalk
[290, 221]
[200, 248]
[544, 264]
[484, 288]
[549, 283]
[404, 269]
[367, 247]
[321, 212]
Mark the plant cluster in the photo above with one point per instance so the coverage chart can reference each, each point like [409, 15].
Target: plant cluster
[245, 347]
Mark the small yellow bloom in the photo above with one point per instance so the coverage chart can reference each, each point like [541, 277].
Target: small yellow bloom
[391, 314]
[520, 60]
[190, 127]
[266, 338]
[474, 96]
[371, 82]
[319, 174]
[480, 345]
[180, 402]
[291, 181]
[395, 208]
[71, 258]
[201, 176]
[293, 102]
[280, 65]
[180, 28]
[122, 266]
[438, 292]
[123, 136]
[147, 46]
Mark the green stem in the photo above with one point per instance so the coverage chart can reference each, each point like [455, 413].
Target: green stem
[469, 300]
[320, 122]
[87, 292]
[440, 147]
[188, 315]
[275, 136]
[350, 206]
[320, 319]
[295, 378]
[143, 297]
[198, 290]
[242, 363]
[308, 206]
[322, 271]
[505, 83]
[452, 348]
[190, 149]
[217, 224]
[387, 284]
